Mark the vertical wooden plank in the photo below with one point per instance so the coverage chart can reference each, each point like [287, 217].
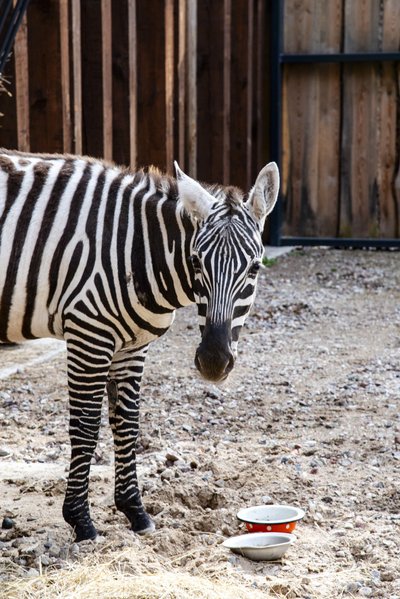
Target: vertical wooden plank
[260, 136]
[107, 77]
[389, 125]
[132, 42]
[182, 82]
[359, 189]
[239, 141]
[169, 83]
[65, 75]
[21, 85]
[311, 121]
[226, 149]
[210, 57]
[92, 89]
[252, 54]
[192, 86]
[120, 82]
[77, 74]
[151, 83]
[44, 58]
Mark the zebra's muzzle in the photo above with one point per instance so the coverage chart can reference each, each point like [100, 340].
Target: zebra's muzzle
[214, 358]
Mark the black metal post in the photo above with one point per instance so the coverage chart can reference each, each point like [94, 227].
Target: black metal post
[276, 44]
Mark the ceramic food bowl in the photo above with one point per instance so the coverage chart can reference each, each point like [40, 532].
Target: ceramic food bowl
[270, 518]
[260, 545]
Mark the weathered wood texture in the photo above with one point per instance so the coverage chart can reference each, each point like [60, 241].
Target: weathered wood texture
[369, 201]
[341, 123]
[150, 81]
[311, 119]
[45, 80]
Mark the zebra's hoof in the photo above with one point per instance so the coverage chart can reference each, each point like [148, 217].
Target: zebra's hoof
[85, 533]
[143, 525]
[146, 531]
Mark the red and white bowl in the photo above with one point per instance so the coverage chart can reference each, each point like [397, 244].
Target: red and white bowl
[270, 518]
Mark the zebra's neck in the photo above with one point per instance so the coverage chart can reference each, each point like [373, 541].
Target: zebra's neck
[162, 237]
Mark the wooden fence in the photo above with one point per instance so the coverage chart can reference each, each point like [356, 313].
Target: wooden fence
[142, 81]
[341, 122]
[149, 81]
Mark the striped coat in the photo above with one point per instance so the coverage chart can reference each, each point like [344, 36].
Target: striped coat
[102, 257]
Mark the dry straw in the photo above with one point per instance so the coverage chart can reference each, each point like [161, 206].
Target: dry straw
[124, 577]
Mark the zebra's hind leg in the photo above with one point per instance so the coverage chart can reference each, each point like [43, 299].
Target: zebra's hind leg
[87, 376]
[123, 396]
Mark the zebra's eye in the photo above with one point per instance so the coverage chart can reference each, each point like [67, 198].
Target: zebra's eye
[254, 268]
[196, 264]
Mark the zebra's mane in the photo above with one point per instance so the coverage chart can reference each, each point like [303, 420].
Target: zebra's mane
[231, 196]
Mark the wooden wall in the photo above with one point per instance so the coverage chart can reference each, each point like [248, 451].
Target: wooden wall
[150, 81]
[341, 123]
[141, 82]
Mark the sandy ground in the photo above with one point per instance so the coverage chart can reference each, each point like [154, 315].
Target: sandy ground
[309, 417]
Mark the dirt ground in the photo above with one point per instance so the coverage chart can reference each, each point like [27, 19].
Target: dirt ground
[309, 417]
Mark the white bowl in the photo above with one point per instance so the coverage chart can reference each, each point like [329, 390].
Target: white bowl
[260, 546]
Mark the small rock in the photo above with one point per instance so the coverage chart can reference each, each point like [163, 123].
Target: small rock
[7, 523]
[354, 587]
[54, 551]
[327, 499]
[31, 573]
[64, 552]
[74, 549]
[359, 522]
[308, 451]
[267, 500]
[4, 452]
[45, 560]
[187, 428]
[365, 591]
[388, 575]
[226, 530]
[340, 532]
[31, 551]
[171, 456]
[11, 552]
[167, 474]
[183, 467]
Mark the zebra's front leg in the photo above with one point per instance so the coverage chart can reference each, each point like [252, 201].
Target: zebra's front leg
[123, 390]
[87, 376]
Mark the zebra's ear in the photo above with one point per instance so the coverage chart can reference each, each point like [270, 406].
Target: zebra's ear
[195, 199]
[263, 196]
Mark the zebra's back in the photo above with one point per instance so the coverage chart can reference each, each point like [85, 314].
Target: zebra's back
[50, 224]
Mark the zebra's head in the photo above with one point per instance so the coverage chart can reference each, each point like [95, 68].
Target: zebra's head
[225, 260]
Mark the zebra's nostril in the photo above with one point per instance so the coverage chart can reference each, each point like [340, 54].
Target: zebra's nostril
[214, 367]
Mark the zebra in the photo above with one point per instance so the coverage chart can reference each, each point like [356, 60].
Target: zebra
[102, 256]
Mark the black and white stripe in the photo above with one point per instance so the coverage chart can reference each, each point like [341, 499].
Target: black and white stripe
[102, 257]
